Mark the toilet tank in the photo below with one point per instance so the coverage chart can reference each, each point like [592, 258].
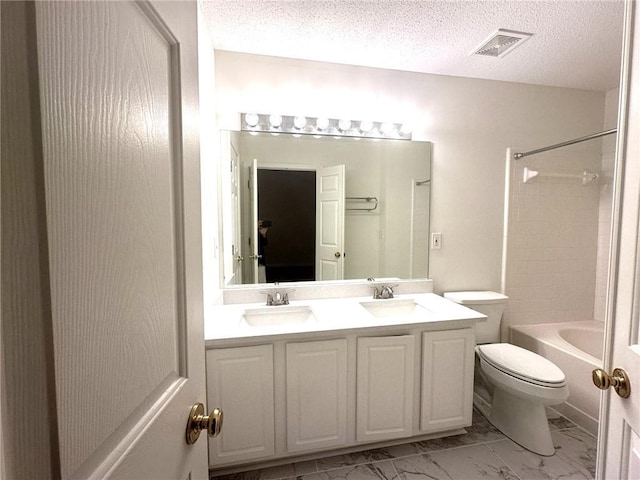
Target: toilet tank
[491, 304]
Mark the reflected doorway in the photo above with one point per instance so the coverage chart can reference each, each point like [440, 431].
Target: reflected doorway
[287, 199]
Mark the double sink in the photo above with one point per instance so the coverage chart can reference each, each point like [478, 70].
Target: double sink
[276, 315]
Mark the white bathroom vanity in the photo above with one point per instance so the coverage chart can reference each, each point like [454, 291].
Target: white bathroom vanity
[336, 370]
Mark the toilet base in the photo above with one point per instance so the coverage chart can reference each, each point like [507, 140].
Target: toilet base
[523, 421]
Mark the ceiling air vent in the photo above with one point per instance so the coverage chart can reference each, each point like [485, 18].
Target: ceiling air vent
[501, 42]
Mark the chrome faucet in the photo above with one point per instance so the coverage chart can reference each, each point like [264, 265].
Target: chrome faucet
[277, 297]
[386, 291]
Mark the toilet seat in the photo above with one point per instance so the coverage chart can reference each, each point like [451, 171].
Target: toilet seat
[522, 364]
[526, 390]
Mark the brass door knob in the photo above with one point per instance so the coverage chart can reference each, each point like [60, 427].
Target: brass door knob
[198, 421]
[618, 379]
[255, 257]
[337, 254]
[239, 258]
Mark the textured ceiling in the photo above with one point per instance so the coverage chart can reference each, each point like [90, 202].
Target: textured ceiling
[575, 44]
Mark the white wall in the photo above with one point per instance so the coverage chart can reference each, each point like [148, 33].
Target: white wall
[209, 158]
[470, 122]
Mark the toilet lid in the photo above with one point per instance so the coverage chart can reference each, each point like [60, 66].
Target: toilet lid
[522, 364]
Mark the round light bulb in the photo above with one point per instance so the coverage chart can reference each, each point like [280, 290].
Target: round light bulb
[275, 120]
[386, 128]
[322, 123]
[366, 126]
[344, 124]
[299, 122]
[252, 119]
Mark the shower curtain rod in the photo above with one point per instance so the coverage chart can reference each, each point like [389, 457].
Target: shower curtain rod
[518, 156]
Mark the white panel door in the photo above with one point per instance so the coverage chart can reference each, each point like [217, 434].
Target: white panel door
[384, 391]
[330, 223]
[237, 222]
[230, 200]
[249, 220]
[619, 447]
[254, 255]
[316, 395]
[119, 106]
[447, 379]
[240, 381]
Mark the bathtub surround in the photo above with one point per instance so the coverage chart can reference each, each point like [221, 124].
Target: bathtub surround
[483, 452]
[558, 232]
[551, 238]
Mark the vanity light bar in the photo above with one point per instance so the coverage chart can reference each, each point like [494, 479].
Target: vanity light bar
[331, 127]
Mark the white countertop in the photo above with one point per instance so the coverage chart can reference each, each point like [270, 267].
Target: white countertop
[333, 314]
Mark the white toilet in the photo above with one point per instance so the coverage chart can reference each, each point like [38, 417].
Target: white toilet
[512, 385]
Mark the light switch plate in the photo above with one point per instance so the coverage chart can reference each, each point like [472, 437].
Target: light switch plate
[436, 241]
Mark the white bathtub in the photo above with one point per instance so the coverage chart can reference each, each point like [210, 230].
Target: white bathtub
[575, 347]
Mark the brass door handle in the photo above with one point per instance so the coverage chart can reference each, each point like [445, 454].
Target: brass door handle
[198, 421]
[337, 254]
[618, 379]
[255, 257]
[239, 258]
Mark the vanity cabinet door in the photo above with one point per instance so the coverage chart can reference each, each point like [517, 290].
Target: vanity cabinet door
[384, 392]
[240, 381]
[316, 395]
[447, 379]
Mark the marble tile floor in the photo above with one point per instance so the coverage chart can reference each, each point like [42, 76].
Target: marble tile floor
[482, 453]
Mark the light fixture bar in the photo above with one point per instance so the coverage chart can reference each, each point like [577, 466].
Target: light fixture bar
[332, 128]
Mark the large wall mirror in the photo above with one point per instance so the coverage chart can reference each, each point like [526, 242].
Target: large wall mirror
[305, 208]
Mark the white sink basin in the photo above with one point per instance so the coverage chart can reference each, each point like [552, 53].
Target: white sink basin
[393, 307]
[277, 315]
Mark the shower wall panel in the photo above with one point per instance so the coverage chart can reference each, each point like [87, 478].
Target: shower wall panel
[552, 238]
